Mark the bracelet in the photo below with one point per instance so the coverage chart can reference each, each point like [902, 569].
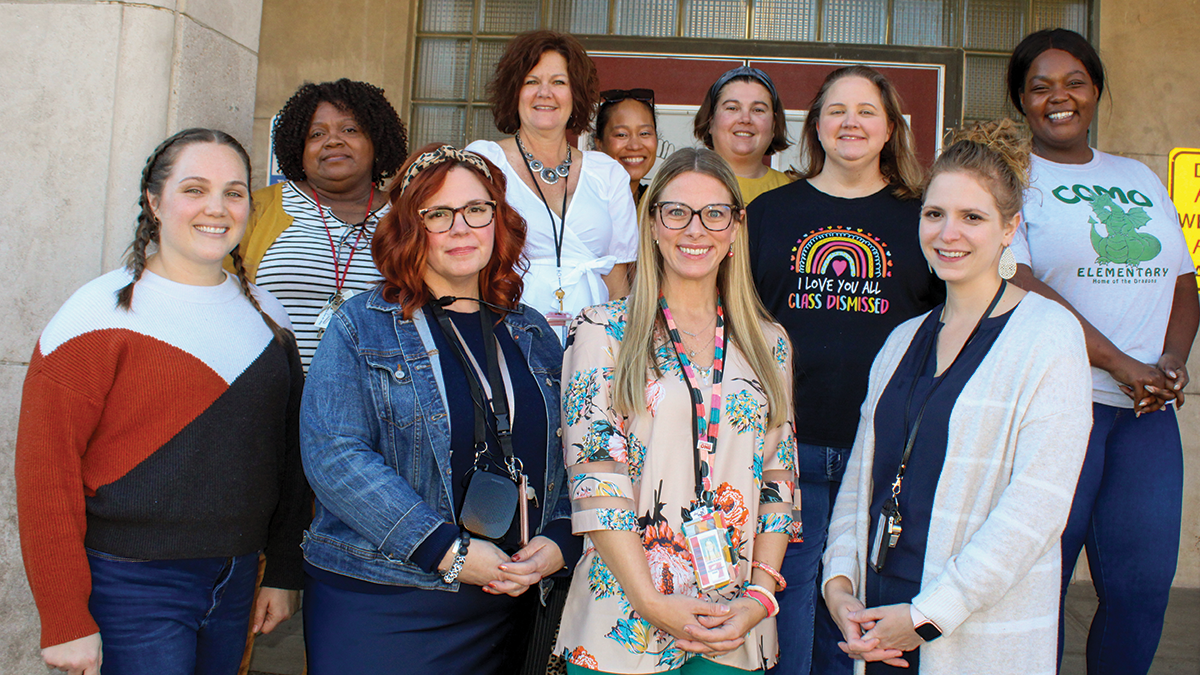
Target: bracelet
[460, 558]
[763, 597]
[772, 572]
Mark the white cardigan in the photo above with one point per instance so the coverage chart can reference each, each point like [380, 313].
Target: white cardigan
[1017, 437]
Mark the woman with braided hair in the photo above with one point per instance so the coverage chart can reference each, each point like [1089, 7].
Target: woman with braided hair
[943, 553]
[158, 448]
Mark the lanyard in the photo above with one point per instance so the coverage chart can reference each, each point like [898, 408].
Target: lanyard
[710, 430]
[559, 231]
[893, 502]
[339, 278]
[496, 406]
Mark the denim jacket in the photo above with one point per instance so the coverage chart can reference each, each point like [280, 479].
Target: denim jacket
[375, 438]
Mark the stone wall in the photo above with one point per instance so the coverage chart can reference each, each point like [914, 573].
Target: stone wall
[89, 89]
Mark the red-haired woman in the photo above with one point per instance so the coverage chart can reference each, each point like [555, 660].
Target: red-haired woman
[431, 521]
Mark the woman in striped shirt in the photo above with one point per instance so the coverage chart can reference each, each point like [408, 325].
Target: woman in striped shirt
[308, 242]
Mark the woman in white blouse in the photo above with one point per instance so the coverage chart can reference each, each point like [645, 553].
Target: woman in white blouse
[577, 204]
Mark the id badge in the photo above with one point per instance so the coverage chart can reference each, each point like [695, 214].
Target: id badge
[887, 535]
[708, 542]
[559, 319]
[331, 306]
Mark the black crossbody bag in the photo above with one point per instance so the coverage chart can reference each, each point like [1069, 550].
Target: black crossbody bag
[492, 495]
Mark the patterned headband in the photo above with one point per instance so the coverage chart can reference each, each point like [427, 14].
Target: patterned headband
[439, 155]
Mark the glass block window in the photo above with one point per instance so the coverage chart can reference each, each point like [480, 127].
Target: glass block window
[645, 17]
[987, 89]
[1070, 14]
[509, 16]
[714, 19]
[459, 41]
[582, 17]
[995, 24]
[790, 20]
[856, 21]
[922, 23]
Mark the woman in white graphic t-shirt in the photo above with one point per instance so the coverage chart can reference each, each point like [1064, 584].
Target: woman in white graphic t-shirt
[1101, 236]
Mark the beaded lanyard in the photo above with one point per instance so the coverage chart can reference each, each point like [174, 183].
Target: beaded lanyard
[709, 430]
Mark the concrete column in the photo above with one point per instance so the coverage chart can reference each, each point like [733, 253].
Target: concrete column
[90, 89]
[1149, 106]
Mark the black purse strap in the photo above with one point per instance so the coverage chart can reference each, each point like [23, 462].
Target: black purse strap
[496, 406]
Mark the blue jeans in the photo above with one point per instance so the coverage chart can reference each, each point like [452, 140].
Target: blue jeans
[1127, 510]
[172, 617]
[808, 636]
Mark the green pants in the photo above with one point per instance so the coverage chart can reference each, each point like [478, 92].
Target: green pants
[695, 666]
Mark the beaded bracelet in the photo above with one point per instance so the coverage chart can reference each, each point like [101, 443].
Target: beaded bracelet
[460, 558]
[763, 597]
[773, 573]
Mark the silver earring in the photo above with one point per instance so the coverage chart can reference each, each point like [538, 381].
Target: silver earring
[1008, 263]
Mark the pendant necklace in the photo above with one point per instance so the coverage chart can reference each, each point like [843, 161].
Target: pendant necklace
[549, 176]
[559, 230]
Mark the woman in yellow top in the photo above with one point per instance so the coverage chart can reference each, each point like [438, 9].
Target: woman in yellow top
[742, 119]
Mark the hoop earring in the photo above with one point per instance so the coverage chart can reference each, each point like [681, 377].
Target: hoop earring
[1008, 264]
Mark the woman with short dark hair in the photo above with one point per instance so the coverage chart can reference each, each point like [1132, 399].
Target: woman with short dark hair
[582, 226]
[429, 433]
[1101, 235]
[743, 119]
[308, 240]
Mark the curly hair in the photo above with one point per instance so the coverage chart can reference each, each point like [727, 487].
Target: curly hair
[897, 161]
[154, 176]
[364, 101]
[520, 56]
[400, 246]
[996, 152]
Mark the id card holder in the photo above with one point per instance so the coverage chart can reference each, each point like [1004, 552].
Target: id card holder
[887, 534]
[708, 542]
[331, 306]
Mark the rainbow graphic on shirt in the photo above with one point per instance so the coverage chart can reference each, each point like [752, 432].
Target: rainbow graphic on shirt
[838, 269]
[840, 250]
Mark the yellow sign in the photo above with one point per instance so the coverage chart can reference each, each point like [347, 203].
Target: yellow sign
[1183, 183]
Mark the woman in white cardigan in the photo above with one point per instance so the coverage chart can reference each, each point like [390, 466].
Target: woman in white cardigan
[943, 548]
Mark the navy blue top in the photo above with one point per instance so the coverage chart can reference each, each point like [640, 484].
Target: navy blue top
[893, 424]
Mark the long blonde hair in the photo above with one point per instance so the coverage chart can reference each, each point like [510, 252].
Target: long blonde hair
[744, 313]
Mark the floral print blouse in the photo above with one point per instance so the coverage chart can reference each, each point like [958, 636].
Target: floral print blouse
[655, 485]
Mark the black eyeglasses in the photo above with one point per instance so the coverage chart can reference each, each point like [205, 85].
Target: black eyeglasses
[677, 216]
[611, 96]
[438, 219]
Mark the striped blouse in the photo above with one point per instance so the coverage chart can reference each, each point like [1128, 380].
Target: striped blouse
[298, 267]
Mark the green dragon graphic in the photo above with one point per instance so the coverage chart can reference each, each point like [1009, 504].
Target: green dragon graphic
[1124, 245]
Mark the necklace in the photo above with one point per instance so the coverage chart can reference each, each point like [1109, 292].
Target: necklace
[704, 328]
[549, 176]
[559, 230]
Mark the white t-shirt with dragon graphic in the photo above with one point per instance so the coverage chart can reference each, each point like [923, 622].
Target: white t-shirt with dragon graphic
[1106, 236]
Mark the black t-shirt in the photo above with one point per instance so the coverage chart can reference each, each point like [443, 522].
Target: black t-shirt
[839, 275]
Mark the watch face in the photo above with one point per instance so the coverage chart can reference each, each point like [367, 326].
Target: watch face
[928, 631]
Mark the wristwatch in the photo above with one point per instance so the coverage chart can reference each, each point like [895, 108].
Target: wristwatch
[928, 630]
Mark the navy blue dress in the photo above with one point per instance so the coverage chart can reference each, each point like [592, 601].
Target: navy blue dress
[895, 416]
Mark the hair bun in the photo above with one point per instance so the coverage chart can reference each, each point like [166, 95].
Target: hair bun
[1002, 137]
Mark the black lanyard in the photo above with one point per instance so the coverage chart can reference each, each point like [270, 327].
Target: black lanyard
[560, 232]
[495, 408]
[912, 435]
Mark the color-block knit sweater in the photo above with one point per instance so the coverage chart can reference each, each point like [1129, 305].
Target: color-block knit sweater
[168, 431]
